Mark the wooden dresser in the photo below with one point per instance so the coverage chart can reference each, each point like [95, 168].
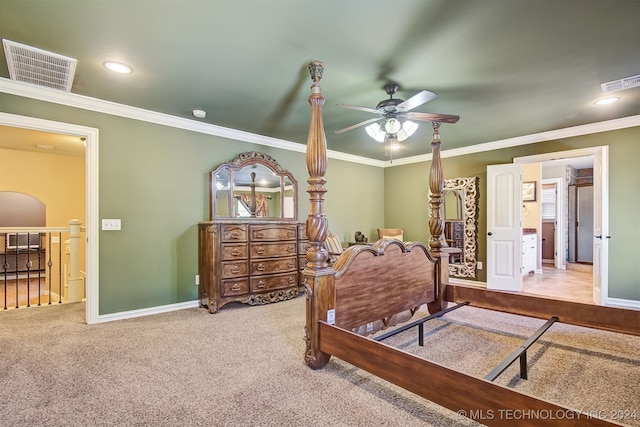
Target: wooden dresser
[249, 262]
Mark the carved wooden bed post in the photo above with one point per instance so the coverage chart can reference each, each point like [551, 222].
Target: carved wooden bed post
[436, 185]
[320, 279]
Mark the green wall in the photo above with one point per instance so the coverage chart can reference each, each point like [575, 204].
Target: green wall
[406, 202]
[155, 178]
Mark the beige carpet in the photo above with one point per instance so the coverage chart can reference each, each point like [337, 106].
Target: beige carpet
[244, 367]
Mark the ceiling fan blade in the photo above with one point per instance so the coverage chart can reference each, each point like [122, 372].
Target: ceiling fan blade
[417, 100]
[429, 117]
[366, 122]
[356, 107]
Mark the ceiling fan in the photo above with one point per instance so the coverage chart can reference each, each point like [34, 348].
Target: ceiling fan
[395, 115]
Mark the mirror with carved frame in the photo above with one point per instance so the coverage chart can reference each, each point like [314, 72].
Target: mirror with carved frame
[252, 186]
[459, 214]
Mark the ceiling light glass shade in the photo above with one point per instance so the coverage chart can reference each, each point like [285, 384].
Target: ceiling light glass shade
[392, 126]
[375, 131]
[408, 129]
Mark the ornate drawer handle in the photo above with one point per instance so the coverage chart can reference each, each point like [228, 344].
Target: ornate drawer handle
[235, 287]
[291, 279]
[261, 284]
[235, 269]
[235, 252]
[291, 233]
[290, 264]
[260, 234]
[234, 234]
[291, 248]
[260, 250]
[307, 247]
[260, 267]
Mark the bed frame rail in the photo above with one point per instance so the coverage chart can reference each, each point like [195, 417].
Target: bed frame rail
[573, 313]
[471, 397]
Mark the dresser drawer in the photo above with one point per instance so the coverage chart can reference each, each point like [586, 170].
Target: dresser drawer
[272, 249]
[276, 281]
[270, 266]
[302, 232]
[303, 247]
[234, 287]
[233, 232]
[273, 232]
[302, 262]
[232, 251]
[234, 269]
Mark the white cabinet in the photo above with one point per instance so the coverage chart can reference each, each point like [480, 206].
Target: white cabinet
[529, 251]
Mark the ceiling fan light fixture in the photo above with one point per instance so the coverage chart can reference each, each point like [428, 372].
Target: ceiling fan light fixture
[375, 131]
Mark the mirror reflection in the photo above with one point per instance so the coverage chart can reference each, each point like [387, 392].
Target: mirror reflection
[459, 213]
[252, 186]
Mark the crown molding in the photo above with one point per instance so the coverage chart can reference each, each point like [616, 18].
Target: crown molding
[609, 125]
[108, 107]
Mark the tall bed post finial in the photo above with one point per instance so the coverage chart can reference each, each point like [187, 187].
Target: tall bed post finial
[319, 277]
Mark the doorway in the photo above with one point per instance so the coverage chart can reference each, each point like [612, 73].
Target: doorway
[91, 194]
[599, 207]
[580, 224]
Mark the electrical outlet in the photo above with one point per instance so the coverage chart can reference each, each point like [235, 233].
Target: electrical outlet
[479, 265]
[197, 279]
[111, 224]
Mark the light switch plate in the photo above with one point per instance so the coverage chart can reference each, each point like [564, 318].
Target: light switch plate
[331, 316]
[111, 224]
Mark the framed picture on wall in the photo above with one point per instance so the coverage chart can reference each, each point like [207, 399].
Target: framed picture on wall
[529, 191]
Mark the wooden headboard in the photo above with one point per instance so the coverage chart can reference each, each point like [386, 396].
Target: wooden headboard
[391, 276]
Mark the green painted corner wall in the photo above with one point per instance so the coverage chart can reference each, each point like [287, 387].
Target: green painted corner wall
[406, 201]
[155, 179]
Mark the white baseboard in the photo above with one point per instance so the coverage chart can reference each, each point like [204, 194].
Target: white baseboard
[147, 311]
[623, 303]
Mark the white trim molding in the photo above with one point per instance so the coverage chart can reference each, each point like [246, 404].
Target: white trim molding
[91, 194]
[108, 107]
[147, 311]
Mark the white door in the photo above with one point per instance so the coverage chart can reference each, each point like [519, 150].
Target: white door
[504, 227]
[600, 226]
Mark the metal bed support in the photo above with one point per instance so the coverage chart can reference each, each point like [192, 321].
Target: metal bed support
[520, 352]
[420, 324]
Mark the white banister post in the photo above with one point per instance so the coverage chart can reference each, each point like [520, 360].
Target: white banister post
[76, 284]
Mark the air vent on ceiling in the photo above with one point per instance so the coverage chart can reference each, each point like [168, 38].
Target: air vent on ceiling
[626, 83]
[39, 67]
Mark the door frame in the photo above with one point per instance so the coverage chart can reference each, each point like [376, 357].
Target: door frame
[91, 194]
[601, 209]
[559, 242]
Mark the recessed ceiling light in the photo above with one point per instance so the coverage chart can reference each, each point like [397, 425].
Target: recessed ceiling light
[606, 101]
[118, 67]
[44, 147]
[200, 114]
